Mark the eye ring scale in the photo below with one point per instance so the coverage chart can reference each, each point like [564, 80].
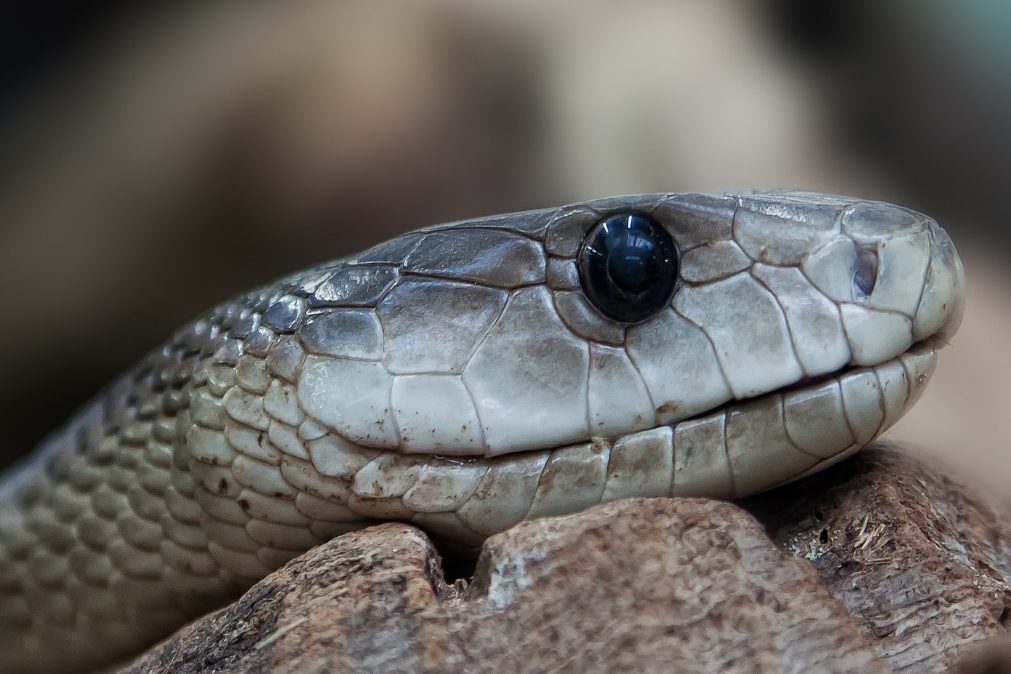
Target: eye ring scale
[628, 267]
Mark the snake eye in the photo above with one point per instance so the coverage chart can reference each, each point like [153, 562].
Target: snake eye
[628, 267]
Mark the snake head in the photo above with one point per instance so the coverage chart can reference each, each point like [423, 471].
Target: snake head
[495, 336]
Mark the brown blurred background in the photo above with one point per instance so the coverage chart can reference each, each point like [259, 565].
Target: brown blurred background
[155, 160]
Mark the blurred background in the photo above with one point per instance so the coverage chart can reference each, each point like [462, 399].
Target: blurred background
[157, 159]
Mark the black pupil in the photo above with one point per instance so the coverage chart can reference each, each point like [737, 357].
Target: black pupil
[628, 267]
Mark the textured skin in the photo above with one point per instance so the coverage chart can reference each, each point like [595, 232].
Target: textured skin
[457, 378]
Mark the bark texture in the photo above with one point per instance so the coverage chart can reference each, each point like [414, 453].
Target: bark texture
[883, 563]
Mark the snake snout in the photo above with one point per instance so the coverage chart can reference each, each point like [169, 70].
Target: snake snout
[942, 303]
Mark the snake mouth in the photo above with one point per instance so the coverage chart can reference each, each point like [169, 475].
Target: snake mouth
[933, 343]
[734, 451]
[817, 380]
[802, 428]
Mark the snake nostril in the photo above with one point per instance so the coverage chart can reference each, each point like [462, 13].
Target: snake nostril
[865, 273]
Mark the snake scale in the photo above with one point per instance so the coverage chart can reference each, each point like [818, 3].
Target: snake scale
[462, 378]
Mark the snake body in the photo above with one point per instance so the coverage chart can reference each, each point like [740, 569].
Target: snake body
[458, 378]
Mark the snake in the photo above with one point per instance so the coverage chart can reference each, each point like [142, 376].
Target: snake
[462, 378]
